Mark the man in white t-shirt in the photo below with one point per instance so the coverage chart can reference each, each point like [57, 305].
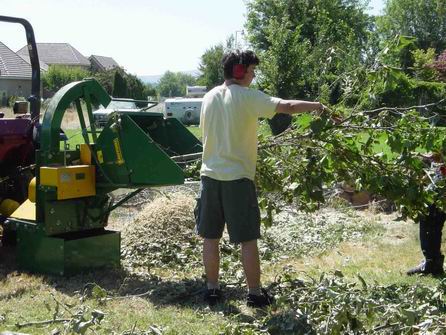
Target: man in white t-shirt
[229, 120]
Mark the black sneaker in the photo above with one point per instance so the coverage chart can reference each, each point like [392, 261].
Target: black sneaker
[213, 296]
[429, 266]
[259, 301]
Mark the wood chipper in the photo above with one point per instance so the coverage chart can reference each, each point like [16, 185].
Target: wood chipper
[60, 219]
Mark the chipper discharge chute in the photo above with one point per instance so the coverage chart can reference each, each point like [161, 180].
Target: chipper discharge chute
[61, 226]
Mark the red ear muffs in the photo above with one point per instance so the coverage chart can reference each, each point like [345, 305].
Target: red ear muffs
[238, 71]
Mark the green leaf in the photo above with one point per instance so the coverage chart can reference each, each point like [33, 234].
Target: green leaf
[317, 125]
[363, 282]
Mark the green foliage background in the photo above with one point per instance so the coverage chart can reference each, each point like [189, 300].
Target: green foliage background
[380, 75]
[424, 20]
[58, 76]
[210, 67]
[173, 84]
[306, 44]
[117, 82]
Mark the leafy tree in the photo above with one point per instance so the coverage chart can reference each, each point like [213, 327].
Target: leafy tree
[119, 86]
[106, 79]
[137, 89]
[168, 85]
[398, 52]
[307, 44]
[150, 91]
[423, 66]
[173, 84]
[134, 87]
[210, 67]
[285, 66]
[58, 76]
[425, 20]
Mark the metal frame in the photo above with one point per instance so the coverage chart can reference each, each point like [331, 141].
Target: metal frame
[34, 99]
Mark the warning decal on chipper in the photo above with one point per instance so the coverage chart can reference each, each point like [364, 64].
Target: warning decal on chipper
[119, 159]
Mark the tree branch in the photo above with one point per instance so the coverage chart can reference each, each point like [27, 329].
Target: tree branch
[41, 323]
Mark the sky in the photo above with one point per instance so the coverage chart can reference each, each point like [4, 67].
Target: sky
[146, 37]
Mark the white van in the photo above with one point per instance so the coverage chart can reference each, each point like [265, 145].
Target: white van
[185, 110]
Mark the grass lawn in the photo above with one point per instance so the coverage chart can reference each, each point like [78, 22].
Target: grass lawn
[168, 301]
[333, 272]
[74, 137]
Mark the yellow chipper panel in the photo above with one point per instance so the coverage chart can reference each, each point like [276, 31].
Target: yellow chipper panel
[74, 181]
[27, 210]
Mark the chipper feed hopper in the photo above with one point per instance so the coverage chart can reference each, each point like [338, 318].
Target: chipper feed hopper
[60, 226]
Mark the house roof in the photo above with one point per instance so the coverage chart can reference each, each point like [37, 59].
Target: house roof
[103, 62]
[11, 65]
[57, 54]
[43, 66]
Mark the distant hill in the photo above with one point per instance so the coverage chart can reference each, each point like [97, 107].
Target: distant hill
[154, 79]
[151, 79]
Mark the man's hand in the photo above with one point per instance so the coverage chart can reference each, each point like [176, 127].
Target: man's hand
[320, 109]
[333, 117]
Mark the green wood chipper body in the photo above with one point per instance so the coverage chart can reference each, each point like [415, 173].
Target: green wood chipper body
[61, 226]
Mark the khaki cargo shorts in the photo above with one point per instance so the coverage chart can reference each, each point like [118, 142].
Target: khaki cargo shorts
[232, 202]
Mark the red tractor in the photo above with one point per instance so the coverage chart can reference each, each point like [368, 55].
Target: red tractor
[18, 139]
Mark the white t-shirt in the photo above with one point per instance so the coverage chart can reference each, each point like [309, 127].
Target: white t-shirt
[228, 122]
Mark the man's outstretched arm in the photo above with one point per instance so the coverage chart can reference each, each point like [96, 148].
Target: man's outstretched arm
[298, 106]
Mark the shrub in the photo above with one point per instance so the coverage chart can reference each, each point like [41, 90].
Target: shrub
[58, 76]
[13, 98]
[423, 64]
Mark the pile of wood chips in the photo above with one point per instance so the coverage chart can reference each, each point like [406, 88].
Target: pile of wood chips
[163, 234]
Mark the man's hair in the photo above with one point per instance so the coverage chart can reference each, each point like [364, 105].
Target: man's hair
[232, 58]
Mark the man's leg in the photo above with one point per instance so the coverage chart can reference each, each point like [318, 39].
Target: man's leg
[257, 296]
[430, 233]
[210, 224]
[430, 239]
[251, 263]
[242, 214]
[211, 260]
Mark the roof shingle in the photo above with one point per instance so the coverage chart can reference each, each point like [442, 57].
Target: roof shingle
[57, 54]
[103, 62]
[11, 65]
